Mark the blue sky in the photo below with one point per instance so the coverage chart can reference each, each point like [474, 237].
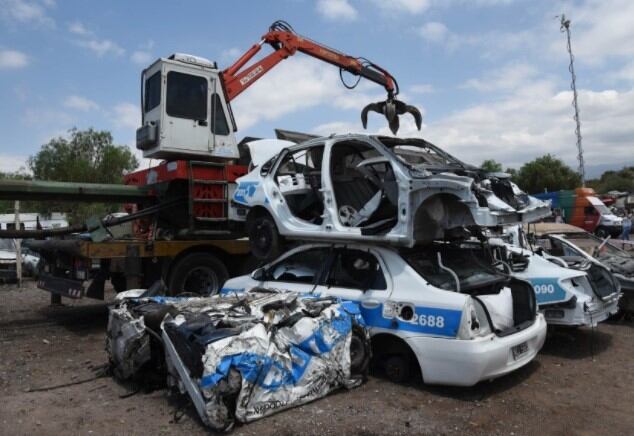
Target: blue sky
[490, 75]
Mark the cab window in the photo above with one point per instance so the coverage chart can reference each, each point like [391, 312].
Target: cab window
[153, 91]
[356, 269]
[302, 267]
[186, 96]
[219, 124]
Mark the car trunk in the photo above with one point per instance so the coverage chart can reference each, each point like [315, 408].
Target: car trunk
[509, 303]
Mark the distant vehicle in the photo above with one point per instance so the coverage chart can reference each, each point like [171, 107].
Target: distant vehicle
[446, 308]
[372, 189]
[566, 241]
[8, 270]
[582, 208]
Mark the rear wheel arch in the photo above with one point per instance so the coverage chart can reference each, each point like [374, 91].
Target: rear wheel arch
[387, 345]
[264, 235]
[438, 213]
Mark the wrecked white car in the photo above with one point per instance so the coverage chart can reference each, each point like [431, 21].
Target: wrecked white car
[372, 188]
[445, 309]
[570, 294]
[575, 245]
[241, 357]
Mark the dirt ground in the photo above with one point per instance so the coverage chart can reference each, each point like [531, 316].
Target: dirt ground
[581, 383]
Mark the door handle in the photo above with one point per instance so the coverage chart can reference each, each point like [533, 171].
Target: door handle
[202, 122]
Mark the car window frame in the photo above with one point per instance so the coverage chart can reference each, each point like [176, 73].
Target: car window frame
[336, 252]
[320, 275]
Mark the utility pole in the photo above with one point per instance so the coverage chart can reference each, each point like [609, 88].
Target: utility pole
[565, 27]
[18, 245]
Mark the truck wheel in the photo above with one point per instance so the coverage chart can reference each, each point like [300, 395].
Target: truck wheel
[264, 237]
[197, 273]
[601, 232]
[397, 368]
[118, 281]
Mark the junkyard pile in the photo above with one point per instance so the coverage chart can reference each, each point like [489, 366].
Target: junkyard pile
[241, 357]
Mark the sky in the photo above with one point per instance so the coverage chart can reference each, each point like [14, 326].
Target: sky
[490, 76]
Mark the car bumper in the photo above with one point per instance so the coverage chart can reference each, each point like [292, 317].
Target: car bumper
[467, 362]
[583, 314]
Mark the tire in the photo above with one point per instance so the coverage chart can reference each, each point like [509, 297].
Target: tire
[264, 238]
[601, 232]
[119, 282]
[197, 273]
[397, 368]
[360, 352]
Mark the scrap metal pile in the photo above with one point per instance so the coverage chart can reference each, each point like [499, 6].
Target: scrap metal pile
[243, 356]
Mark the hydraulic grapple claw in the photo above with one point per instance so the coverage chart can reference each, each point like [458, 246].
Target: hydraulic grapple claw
[392, 109]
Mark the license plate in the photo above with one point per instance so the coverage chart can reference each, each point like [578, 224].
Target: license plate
[520, 350]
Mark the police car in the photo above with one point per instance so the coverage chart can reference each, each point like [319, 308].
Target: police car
[444, 308]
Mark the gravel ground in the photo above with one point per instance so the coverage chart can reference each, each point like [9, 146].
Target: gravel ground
[581, 383]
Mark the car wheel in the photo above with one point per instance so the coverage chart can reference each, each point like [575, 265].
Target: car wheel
[264, 237]
[360, 352]
[397, 368]
[197, 273]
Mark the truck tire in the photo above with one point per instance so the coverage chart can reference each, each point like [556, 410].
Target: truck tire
[197, 273]
[264, 238]
[602, 232]
[119, 282]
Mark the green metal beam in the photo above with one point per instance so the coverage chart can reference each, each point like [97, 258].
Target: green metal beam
[75, 192]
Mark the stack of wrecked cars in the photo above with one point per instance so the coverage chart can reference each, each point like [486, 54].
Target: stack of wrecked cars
[240, 357]
[388, 247]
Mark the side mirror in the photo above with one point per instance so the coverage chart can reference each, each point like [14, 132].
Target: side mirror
[259, 274]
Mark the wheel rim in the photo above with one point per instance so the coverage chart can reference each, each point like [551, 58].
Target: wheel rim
[262, 236]
[201, 280]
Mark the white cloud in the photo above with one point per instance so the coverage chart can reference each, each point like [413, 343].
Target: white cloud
[141, 57]
[433, 31]
[404, 6]
[507, 78]
[127, 116]
[26, 12]
[337, 10]
[338, 127]
[11, 163]
[88, 39]
[101, 47]
[78, 28]
[80, 103]
[296, 85]
[600, 30]
[12, 59]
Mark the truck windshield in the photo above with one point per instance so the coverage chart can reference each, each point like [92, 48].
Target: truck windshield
[603, 209]
[7, 244]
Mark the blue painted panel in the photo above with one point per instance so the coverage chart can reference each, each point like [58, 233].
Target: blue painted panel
[548, 290]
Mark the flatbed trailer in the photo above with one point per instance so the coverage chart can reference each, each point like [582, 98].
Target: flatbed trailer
[75, 268]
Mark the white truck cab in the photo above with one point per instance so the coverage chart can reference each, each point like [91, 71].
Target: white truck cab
[184, 111]
[440, 308]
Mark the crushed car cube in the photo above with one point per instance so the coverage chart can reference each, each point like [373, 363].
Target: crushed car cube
[242, 356]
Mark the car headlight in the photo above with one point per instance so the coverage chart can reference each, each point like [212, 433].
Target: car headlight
[474, 322]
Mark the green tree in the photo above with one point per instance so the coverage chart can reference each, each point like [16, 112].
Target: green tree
[84, 156]
[491, 166]
[546, 173]
[622, 180]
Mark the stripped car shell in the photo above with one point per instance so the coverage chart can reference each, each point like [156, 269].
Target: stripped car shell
[372, 188]
[243, 357]
[459, 322]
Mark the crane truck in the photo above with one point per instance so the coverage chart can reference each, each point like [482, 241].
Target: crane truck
[179, 228]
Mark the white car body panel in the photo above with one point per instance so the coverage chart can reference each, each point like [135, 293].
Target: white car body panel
[432, 333]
